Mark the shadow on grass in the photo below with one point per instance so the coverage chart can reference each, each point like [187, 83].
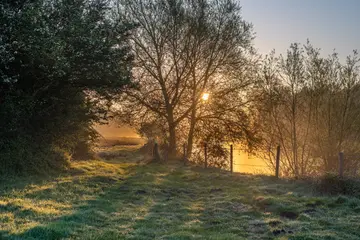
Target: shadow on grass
[154, 201]
[93, 201]
[9, 184]
[151, 202]
[199, 204]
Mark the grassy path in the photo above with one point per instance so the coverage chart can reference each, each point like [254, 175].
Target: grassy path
[119, 199]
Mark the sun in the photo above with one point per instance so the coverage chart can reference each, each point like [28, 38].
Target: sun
[205, 96]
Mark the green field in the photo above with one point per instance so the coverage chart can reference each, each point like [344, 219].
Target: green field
[120, 198]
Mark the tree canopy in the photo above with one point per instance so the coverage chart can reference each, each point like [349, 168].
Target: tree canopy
[61, 60]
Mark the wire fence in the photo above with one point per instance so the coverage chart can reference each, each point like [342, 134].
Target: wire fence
[236, 160]
[239, 160]
[347, 164]
[244, 162]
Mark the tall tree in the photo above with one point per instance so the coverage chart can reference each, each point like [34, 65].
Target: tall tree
[183, 49]
[60, 62]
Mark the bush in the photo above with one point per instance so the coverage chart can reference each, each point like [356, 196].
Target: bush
[333, 184]
[83, 151]
[23, 155]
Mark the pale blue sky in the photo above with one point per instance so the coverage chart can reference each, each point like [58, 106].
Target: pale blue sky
[329, 24]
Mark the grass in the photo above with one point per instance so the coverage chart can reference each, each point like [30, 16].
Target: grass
[119, 198]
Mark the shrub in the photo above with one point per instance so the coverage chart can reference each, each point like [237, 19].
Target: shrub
[333, 184]
[23, 155]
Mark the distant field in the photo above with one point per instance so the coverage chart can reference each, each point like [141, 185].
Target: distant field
[119, 198]
[123, 141]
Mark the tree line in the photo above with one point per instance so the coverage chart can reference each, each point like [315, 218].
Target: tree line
[68, 64]
[310, 107]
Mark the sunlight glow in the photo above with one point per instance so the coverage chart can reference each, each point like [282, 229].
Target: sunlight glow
[205, 96]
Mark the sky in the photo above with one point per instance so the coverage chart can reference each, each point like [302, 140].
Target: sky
[328, 24]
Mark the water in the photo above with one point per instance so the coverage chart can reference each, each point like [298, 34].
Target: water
[248, 163]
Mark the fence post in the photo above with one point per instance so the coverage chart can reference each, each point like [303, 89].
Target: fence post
[184, 149]
[341, 164]
[231, 159]
[205, 149]
[277, 162]
[156, 153]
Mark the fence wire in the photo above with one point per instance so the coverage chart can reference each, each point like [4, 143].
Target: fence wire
[238, 156]
[346, 164]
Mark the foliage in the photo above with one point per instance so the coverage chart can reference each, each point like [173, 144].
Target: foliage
[61, 60]
[335, 185]
[217, 155]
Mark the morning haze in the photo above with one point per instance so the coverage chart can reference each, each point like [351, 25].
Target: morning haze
[175, 119]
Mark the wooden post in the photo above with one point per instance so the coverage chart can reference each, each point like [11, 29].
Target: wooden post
[156, 153]
[184, 149]
[205, 152]
[167, 154]
[341, 164]
[231, 159]
[277, 162]
[154, 150]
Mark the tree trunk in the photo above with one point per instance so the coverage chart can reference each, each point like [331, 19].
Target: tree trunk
[172, 134]
[294, 132]
[191, 133]
[172, 141]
